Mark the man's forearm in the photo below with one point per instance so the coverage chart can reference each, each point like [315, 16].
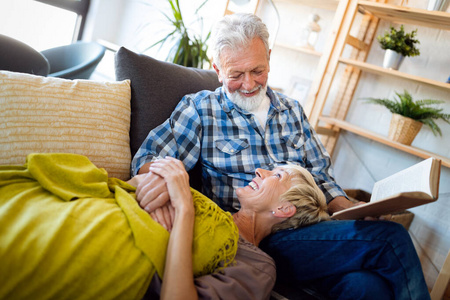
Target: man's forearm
[339, 203]
[144, 168]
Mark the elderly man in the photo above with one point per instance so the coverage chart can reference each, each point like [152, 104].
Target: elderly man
[244, 125]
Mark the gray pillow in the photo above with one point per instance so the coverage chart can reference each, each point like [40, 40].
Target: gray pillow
[156, 89]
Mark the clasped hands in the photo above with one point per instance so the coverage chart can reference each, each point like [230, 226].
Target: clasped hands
[152, 191]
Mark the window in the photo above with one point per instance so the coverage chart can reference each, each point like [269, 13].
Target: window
[43, 24]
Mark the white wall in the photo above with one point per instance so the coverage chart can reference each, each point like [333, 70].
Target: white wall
[138, 24]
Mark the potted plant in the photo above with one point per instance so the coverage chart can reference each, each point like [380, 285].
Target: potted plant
[188, 49]
[408, 116]
[398, 44]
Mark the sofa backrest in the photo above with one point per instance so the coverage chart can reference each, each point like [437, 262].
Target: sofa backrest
[156, 89]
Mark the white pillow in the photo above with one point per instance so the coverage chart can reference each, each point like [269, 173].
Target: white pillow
[44, 114]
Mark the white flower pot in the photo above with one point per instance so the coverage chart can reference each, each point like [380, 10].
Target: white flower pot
[392, 60]
[440, 5]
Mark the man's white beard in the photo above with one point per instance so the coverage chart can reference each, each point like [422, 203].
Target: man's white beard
[247, 103]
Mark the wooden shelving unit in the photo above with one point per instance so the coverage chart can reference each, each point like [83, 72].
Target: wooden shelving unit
[407, 15]
[330, 126]
[363, 66]
[383, 139]
[338, 7]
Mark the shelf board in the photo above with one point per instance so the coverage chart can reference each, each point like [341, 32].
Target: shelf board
[383, 140]
[325, 4]
[383, 71]
[410, 15]
[299, 49]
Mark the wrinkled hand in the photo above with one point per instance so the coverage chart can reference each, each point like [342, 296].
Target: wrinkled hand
[151, 192]
[379, 218]
[340, 203]
[153, 197]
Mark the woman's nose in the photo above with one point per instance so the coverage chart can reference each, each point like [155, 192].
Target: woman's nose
[261, 173]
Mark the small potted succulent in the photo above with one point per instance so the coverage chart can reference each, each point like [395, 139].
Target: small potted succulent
[408, 116]
[398, 44]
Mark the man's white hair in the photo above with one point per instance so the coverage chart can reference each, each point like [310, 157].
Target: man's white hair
[236, 31]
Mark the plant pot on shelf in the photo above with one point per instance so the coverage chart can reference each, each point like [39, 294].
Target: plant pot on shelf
[439, 5]
[403, 130]
[392, 59]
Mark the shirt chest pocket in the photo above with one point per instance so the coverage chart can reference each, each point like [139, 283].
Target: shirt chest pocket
[231, 146]
[294, 141]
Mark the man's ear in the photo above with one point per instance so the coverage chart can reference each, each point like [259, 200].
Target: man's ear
[217, 72]
[285, 210]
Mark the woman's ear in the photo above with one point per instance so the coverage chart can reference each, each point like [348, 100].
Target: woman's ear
[285, 210]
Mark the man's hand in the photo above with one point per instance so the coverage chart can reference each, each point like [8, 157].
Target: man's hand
[151, 192]
[164, 215]
[340, 203]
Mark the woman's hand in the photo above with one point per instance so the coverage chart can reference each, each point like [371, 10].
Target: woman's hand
[151, 191]
[178, 280]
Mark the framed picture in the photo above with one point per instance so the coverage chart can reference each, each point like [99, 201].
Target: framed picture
[299, 89]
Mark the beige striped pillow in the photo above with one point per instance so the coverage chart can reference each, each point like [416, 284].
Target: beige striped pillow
[43, 114]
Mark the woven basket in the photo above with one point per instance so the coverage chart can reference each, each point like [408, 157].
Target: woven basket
[403, 129]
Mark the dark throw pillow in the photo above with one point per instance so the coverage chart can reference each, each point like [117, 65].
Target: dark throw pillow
[156, 89]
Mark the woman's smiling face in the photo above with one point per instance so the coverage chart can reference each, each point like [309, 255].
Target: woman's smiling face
[264, 190]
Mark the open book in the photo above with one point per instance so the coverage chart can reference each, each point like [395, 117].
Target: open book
[414, 186]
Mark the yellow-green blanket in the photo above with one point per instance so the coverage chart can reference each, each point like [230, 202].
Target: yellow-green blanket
[67, 231]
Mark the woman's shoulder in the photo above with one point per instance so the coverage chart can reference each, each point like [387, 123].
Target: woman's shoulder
[251, 258]
[251, 276]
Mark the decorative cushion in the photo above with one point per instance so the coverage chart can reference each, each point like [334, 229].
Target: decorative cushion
[156, 89]
[90, 118]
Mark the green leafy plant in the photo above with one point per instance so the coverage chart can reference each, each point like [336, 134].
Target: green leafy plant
[188, 49]
[419, 110]
[400, 42]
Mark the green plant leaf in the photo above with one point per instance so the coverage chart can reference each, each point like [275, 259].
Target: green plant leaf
[399, 41]
[188, 49]
[420, 110]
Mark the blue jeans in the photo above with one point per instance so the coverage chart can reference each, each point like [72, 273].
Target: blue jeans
[349, 260]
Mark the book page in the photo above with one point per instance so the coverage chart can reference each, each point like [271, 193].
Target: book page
[414, 178]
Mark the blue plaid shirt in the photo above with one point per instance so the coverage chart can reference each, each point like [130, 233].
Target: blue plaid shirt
[230, 144]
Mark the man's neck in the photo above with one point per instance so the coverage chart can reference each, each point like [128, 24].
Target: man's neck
[261, 111]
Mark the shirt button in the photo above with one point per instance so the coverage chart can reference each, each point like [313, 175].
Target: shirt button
[232, 150]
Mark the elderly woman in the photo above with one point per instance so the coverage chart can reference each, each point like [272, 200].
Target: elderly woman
[286, 197]
[67, 231]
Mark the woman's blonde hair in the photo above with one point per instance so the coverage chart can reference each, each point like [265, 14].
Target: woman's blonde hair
[306, 196]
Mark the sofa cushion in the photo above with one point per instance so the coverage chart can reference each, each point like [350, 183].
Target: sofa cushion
[156, 89]
[40, 114]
